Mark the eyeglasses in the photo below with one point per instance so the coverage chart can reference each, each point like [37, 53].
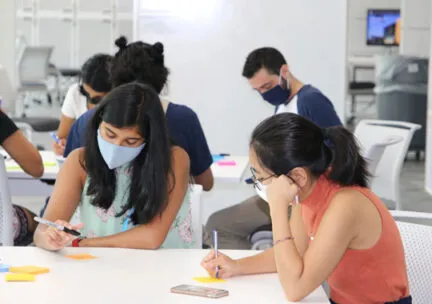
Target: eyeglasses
[257, 182]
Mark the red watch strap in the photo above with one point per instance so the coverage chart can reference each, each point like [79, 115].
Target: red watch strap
[75, 242]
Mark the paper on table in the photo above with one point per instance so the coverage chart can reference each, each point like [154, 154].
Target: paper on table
[29, 269]
[208, 280]
[80, 256]
[17, 167]
[227, 163]
[4, 268]
[19, 277]
[217, 158]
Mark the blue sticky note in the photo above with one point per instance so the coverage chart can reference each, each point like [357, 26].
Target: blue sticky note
[217, 158]
[4, 268]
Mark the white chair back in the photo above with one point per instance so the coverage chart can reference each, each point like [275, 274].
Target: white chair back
[417, 241]
[34, 65]
[196, 212]
[6, 233]
[385, 182]
[375, 152]
[7, 92]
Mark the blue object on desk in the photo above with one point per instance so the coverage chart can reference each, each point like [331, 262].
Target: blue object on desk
[249, 180]
[219, 157]
[4, 268]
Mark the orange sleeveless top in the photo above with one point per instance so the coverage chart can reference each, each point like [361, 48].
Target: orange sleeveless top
[374, 275]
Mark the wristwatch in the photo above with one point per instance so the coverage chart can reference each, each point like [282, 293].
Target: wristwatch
[75, 242]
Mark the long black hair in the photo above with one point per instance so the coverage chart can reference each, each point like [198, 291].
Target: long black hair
[129, 105]
[286, 141]
[139, 61]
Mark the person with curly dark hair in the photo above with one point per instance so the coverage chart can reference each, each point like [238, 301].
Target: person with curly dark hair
[145, 63]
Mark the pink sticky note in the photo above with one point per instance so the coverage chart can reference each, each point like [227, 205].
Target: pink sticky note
[227, 163]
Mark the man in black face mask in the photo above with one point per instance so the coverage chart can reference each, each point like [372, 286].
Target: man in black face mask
[267, 72]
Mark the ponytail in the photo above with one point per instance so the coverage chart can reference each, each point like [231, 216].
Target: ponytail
[348, 167]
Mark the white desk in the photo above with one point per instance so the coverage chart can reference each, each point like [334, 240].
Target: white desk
[22, 184]
[231, 174]
[130, 276]
[362, 61]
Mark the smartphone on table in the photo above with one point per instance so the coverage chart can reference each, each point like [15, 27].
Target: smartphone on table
[200, 291]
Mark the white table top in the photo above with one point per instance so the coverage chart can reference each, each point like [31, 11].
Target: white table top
[232, 174]
[220, 173]
[50, 164]
[130, 276]
[362, 61]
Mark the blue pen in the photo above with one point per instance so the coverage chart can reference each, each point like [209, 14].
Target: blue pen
[215, 243]
[54, 136]
[127, 220]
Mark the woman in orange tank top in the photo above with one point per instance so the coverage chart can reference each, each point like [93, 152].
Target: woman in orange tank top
[336, 230]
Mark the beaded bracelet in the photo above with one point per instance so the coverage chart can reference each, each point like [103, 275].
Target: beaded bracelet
[283, 240]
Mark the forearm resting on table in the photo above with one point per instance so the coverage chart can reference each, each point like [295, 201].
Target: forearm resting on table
[263, 262]
[135, 238]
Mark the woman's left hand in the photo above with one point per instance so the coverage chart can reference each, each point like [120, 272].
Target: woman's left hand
[281, 192]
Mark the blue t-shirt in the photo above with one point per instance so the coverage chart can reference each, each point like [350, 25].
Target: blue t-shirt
[184, 127]
[311, 103]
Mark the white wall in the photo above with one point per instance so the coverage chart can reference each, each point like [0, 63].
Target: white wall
[415, 28]
[7, 37]
[206, 53]
[357, 17]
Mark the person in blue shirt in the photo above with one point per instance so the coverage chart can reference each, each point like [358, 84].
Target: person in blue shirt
[268, 73]
[142, 62]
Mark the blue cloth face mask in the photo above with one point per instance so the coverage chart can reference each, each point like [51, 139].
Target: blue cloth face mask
[116, 156]
[279, 94]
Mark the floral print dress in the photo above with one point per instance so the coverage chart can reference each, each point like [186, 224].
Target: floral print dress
[99, 222]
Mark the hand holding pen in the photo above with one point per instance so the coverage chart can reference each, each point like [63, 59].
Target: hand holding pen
[59, 233]
[58, 145]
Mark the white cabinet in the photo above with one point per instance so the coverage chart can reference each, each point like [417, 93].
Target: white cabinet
[95, 5]
[60, 37]
[76, 29]
[95, 36]
[56, 5]
[24, 29]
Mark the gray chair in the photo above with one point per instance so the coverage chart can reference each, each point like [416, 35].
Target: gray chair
[6, 233]
[33, 71]
[10, 97]
[401, 93]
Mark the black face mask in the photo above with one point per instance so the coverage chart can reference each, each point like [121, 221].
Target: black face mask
[83, 92]
[95, 100]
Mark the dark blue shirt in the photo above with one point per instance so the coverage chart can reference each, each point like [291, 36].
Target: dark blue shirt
[314, 105]
[184, 127]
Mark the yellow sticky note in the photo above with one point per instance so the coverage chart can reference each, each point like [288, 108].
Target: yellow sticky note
[81, 256]
[208, 280]
[20, 277]
[50, 164]
[29, 269]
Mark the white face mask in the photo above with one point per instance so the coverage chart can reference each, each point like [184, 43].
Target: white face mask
[261, 190]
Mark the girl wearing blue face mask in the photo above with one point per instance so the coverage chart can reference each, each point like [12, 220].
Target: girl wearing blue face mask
[128, 186]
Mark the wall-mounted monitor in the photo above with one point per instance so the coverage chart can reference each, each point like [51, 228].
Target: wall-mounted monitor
[383, 27]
